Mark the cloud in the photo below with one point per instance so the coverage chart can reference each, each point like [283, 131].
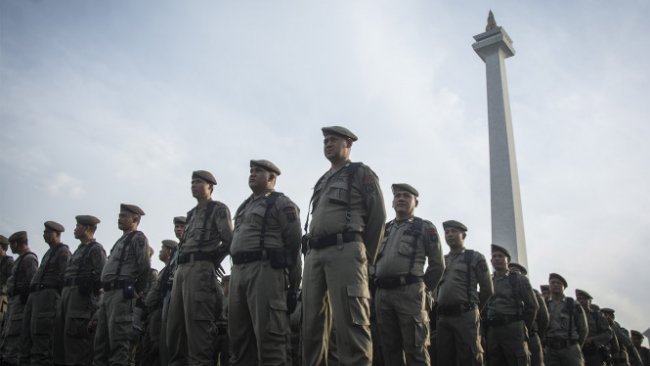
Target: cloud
[64, 185]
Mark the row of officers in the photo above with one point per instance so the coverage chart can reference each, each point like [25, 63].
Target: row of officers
[371, 292]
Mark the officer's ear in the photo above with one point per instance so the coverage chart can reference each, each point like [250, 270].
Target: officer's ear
[464, 234]
[416, 202]
[348, 142]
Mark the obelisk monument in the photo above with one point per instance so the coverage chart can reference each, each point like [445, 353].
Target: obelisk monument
[494, 46]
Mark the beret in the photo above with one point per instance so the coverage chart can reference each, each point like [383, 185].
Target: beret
[171, 244]
[607, 310]
[520, 267]
[54, 226]
[180, 220]
[558, 277]
[498, 248]
[341, 131]
[544, 287]
[266, 165]
[454, 223]
[205, 175]
[18, 236]
[405, 187]
[636, 333]
[131, 208]
[87, 220]
[4, 240]
[583, 293]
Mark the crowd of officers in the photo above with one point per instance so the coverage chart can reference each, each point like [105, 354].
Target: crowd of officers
[365, 296]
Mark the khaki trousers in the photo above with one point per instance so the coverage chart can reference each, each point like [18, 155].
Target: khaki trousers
[114, 329]
[458, 340]
[568, 356]
[336, 278]
[38, 326]
[13, 328]
[73, 345]
[507, 345]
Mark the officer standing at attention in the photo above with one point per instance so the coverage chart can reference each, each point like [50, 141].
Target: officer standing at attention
[644, 352]
[539, 326]
[40, 310]
[166, 283]
[595, 349]
[73, 344]
[546, 292]
[124, 279]
[509, 314]
[348, 222]
[400, 298]
[18, 292]
[197, 300]
[6, 262]
[459, 303]
[567, 328]
[623, 352]
[265, 248]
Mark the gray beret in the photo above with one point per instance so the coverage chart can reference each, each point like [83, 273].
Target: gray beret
[4, 240]
[455, 224]
[558, 277]
[607, 310]
[180, 220]
[341, 131]
[266, 165]
[520, 267]
[171, 244]
[205, 175]
[498, 248]
[583, 293]
[636, 333]
[544, 287]
[87, 220]
[405, 187]
[18, 236]
[131, 208]
[54, 226]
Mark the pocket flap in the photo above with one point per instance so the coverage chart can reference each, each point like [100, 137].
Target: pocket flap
[359, 290]
[48, 315]
[77, 314]
[278, 305]
[127, 318]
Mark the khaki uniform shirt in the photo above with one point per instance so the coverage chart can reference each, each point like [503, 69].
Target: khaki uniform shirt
[52, 266]
[6, 263]
[599, 331]
[403, 251]
[367, 212]
[135, 262]
[22, 273]
[87, 261]
[208, 226]
[453, 290]
[558, 327]
[510, 301]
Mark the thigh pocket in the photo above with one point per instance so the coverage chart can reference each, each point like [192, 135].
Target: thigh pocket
[278, 319]
[15, 325]
[76, 324]
[44, 323]
[123, 326]
[203, 306]
[420, 330]
[358, 301]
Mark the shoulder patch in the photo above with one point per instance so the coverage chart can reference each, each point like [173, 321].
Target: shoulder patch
[369, 183]
[290, 213]
[482, 265]
[222, 214]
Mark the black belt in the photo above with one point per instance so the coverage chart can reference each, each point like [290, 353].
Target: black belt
[560, 343]
[116, 284]
[333, 239]
[455, 310]
[196, 256]
[502, 320]
[248, 257]
[397, 281]
[41, 286]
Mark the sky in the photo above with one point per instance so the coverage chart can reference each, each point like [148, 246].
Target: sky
[109, 102]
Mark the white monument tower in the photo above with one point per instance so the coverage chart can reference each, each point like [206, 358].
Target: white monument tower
[494, 46]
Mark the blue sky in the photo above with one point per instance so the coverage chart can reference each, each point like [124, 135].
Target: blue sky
[108, 102]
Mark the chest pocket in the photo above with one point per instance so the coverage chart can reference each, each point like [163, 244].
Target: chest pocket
[256, 216]
[407, 246]
[563, 319]
[337, 192]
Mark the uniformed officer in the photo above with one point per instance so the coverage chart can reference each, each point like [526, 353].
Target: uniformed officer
[567, 328]
[153, 304]
[18, 292]
[644, 352]
[546, 292]
[45, 287]
[348, 222]
[73, 344]
[6, 262]
[166, 283]
[623, 351]
[595, 349]
[400, 298]
[197, 297]
[509, 313]
[265, 248]
[459, 303]
[538, 330]
[123, 279]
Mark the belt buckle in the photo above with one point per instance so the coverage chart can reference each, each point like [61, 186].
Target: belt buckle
[402, 280]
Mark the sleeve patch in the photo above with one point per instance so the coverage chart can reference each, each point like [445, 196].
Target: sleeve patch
[290, 213]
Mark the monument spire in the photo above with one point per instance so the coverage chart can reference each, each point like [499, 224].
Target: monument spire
[494, 46]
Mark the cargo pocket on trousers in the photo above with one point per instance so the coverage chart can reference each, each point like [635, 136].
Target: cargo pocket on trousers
[358, 299]
[278, 319]
[76, 325]
[204, 306]
[44, 323]
[123, 326]
[420, 330]
[15, 326]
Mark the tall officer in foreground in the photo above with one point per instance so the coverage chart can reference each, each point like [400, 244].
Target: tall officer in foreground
[567, 329]
[18, 292]
[348, 221]
[197, 299]
[73, 344]
[400, 298]
[40, 310]
[509, 314]
[459, 303]
[124, 279]
[265, 249]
